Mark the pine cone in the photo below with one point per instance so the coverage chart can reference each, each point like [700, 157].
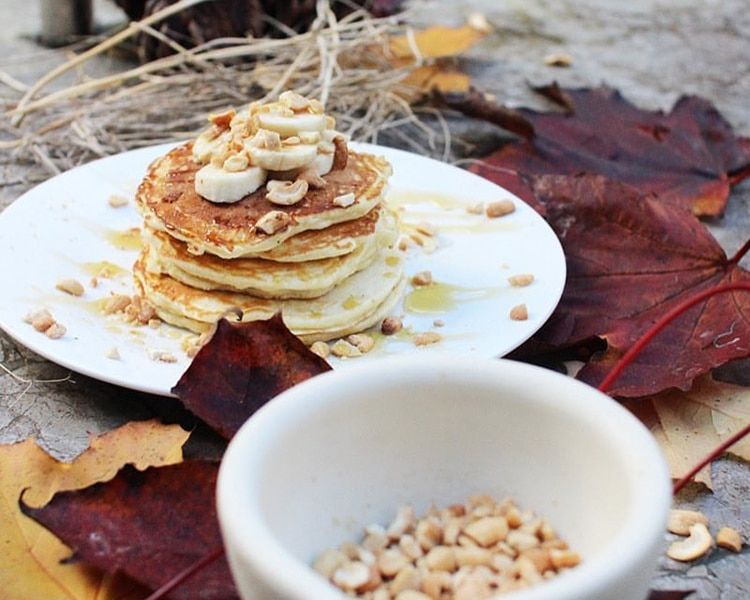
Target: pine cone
[233, 18]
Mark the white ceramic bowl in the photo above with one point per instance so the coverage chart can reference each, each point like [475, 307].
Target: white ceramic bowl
[345, 449]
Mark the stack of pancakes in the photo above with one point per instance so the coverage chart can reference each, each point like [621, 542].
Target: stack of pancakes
[331, 270]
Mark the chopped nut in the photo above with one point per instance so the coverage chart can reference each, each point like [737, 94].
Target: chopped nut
[55, 331]
[422, 278]
[427, 338]
[321, 349]
[426, 228]
[521, 540]
[293, 100]
[273, 221]
[351, 575]
[309, 137]
[410, 547]
[558, 59]
[117, 303]
[314, 181]
[500, 208]
[403, 523]
[264, 138]
[729, 538]
[222, 120]
[403, 243]
[94, 282]
[286, 193]
[116, 201]
[392, 561]
[340, 154]
[41, 320]
[161, 356]
[113, 353]
[428, 534]
[487, 531]
[363, 342]
[472, 556]
[438, 323]
[406, 579]
[441, 558]
[680, 521]
[695, 546]
[344, 200]
[236, 162]
[519, 313]
[521, 280]
[391, 325]
[344, 349]
[327, 563]
[475, 209]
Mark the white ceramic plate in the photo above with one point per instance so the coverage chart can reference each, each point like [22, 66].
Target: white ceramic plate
[65, 228]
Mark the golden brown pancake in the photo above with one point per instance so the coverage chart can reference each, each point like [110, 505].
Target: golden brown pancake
[260, 277]
[168, 201]
[336, 240]
[359, 302]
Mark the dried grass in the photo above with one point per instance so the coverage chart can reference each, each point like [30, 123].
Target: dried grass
[344, 62]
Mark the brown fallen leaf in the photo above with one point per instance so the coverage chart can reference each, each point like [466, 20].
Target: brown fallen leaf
[31, 555]
[241, 368]
[689, 425]
[630, 259]
[439, 76]
[690, 156]
[150, 525]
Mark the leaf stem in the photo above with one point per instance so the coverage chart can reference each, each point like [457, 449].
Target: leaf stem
[739, 254]
[186, 573]
[652, 332]
[714, 454]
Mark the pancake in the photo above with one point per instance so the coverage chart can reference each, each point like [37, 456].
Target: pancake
[260, 277]
[168, 202]
[317, 244]
[359, 302]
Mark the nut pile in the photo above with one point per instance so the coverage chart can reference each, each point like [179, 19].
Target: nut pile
[698, 542]
[473, 551]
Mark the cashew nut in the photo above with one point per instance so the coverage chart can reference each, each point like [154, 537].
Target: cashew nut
[293, 100]
[310, 175]
[729, 538]
[273, 221]
[681, 520]
[696, 545]
[286, 193]
[265, 138]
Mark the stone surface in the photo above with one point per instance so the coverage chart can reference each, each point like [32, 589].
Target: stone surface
[651, 50]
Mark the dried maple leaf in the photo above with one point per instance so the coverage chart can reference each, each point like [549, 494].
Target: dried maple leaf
[689, 425]
[630, 259]
[689, 157]
[31, 560]
[241, 368]
[149, 525]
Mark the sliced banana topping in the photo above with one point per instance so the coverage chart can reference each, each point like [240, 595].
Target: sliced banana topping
[278, 140]
[288, 126]
[219, 185]
[291, 157]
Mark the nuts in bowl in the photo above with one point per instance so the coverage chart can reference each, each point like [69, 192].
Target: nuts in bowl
[341, 452]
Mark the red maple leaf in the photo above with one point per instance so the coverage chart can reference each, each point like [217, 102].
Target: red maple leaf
[630, 259]
[689, 157]
[241, 368]
[148, 524]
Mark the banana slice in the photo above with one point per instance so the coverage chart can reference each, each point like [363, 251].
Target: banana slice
[288, 126]
[289, 157]
[217, 185]
[323, 163]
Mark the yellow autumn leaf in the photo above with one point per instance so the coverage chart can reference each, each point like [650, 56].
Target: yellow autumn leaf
[30, 566]
[435, 42]
[689, 425]
[437, 77]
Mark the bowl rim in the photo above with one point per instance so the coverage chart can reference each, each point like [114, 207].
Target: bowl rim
[639, 533]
